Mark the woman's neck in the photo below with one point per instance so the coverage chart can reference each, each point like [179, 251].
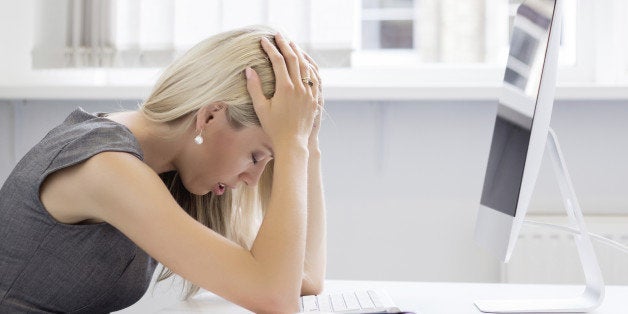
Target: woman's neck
[158, 146]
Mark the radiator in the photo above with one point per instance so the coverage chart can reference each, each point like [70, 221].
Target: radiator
[545, 255]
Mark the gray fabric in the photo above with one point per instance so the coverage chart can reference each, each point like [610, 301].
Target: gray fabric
[47, 266]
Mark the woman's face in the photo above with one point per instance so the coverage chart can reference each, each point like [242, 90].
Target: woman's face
[227, 157]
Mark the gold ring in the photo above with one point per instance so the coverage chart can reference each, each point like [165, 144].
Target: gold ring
[307, 81]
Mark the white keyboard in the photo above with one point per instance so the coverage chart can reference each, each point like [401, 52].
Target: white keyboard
[358, 301]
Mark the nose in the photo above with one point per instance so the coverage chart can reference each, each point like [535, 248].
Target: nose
[252, 175]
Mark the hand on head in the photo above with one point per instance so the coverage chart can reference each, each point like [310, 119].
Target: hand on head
[318, 94]
[290, 114]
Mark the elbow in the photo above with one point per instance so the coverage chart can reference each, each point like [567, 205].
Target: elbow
[277, 303]
[275, 297]
[314, 290]
[312, 286]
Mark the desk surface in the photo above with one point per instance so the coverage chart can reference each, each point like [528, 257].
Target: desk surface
[428, 297]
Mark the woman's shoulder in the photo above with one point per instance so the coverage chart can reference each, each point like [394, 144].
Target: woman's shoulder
[80, 137]
[85, 133]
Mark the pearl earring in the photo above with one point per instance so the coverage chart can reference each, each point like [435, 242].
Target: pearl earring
[199, 139]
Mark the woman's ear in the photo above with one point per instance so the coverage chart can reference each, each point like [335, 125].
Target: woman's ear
[206, 114]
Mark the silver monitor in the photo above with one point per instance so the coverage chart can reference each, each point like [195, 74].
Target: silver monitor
[521, 126]
[520, 137]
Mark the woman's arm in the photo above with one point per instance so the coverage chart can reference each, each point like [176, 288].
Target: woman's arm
[315, 247]
[121, 190]
[316, 244]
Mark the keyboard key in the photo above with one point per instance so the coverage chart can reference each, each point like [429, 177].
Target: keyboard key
[324, 304]
[375, 298]
[351, 301]
[309, 303]
[364, 299]
[338, 302]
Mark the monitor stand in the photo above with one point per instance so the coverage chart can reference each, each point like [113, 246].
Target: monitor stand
[593, 293]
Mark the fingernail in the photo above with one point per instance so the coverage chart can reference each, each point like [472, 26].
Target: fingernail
[247, 71]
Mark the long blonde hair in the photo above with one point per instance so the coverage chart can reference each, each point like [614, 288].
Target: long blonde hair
[210, 72]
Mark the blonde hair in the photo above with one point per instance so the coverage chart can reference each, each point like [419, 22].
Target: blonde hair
[210, 72]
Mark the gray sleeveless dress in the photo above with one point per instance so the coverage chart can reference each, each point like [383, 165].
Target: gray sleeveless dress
[47, 266]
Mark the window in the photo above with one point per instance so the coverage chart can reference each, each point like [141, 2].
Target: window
[435, 31]
[358, 42]
[132, 33]
[388, 24]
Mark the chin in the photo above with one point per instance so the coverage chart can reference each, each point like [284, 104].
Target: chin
[196, 190]
[200, 192]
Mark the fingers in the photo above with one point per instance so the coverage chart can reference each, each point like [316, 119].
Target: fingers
[315, 66]
[316, 91]
[310, 60]
[276, 58]
[316, 78]
[254, 86]
[291, 58]
[304, 69]
[309, 70]
[317, 98]
[293, 67]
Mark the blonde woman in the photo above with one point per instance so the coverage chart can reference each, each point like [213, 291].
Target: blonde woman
[88, 212]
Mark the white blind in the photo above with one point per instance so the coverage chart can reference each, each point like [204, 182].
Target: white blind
[151, 33]
[131, 34]
[89, 33]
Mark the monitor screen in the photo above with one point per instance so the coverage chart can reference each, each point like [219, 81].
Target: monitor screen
[515, 113]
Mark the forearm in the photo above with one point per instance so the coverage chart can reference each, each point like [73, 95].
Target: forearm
[316, 242]
[280, 244]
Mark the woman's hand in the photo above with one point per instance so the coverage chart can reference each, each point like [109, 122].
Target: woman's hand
[318, 94]
[289, 115]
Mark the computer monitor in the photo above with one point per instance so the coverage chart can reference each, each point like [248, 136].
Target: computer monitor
[521, 126]
[520, 136]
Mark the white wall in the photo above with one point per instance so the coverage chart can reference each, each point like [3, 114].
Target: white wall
[16, 34]
[405, 178]
[7, 150]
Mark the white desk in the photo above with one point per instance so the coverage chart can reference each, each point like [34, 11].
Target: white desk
[428, 297]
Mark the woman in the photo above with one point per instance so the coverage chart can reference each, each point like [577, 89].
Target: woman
[89, 210]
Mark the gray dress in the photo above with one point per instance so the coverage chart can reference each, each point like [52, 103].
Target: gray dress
[47, 266]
